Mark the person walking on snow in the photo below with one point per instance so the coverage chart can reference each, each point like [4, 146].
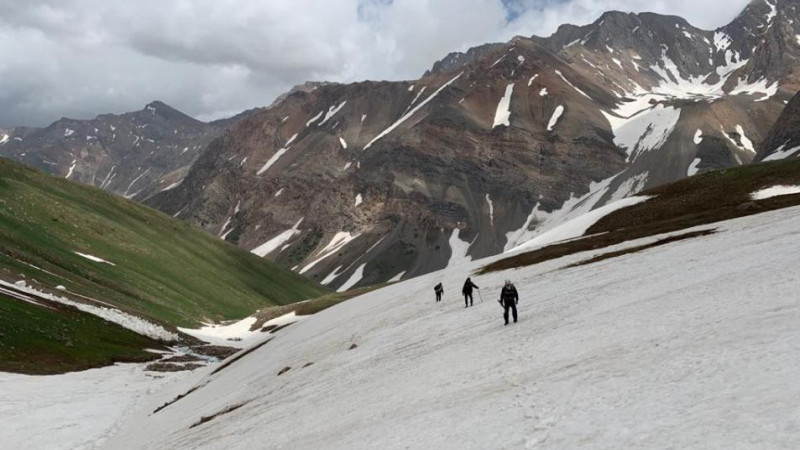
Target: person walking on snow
[467, 291]
[509, 298]
[439, 289]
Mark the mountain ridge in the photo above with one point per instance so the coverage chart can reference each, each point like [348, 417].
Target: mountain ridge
[365, 182]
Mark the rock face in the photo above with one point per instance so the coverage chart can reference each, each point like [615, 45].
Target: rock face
[783, 140]
[368, 182]
[134, 154]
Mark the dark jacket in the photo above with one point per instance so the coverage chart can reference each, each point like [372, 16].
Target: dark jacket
[509, 294]
[439, 288]
[468, 285]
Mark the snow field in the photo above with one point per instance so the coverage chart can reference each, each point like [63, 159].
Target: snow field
[688, 345]
[237, 334]
[78, 410]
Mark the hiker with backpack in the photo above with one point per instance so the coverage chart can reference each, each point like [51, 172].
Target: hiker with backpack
[439, 289]
[509, 298]
[467, 291]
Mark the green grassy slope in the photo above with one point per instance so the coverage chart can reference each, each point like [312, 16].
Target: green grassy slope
[56, 339]
[164, 269]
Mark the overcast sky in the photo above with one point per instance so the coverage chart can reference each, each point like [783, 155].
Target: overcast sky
[213, 58]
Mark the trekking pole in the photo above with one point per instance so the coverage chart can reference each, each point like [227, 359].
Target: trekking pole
[480, 296]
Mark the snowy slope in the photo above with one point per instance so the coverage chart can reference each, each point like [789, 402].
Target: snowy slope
[72, 411]
[689, 345]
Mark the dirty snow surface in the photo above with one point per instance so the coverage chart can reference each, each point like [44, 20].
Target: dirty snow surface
[77, 410]
[688, 345]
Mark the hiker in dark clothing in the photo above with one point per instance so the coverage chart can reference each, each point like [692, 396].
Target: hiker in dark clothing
[509, 299]
[467, 291]
[439, 289]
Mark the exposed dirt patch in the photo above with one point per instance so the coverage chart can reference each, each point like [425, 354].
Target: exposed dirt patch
[168, 367]
[640, 248]
[307, 364]
[215, 351]
[284, 370]
[181, 359]
[239, 356]
[353, 347]
[307, 307]
[171, 402]
[227, 410]
[279, 328]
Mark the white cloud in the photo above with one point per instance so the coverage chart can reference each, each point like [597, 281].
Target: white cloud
[212, 57]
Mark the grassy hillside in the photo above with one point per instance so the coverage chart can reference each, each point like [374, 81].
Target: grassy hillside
[699, 200]
[162, 268]
[56, 339]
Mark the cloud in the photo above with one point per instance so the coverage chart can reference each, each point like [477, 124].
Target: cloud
[210, 58]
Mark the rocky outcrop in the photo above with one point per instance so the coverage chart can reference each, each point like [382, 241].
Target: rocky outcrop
[783, 140]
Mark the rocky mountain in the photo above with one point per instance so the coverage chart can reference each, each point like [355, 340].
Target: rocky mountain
[368, 182]
[783, 140]
[134, 154]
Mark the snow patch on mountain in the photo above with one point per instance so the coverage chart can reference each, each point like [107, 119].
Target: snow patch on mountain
[314, 119]
[343, 142]
[94, 258]
[71, 168]
[693, 167]
[532, 79]
[644, 131]
[746, 143]
[172, 186]
[332, 276]
[698, 137]
[139, 177]
[458, 250]
[555, 117]
[354, 278]
[775, 191]
[338, 242]
[722, 41]
[558, 72]
[331, 112]
[411, 113]
[502, 115]
[762, 87]
[491, 209]
[528, 230]
[498, 61]
[272, 160]
[631, 185]
[277, 241]
[781, 153]
[397, 277]
[577, 227]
